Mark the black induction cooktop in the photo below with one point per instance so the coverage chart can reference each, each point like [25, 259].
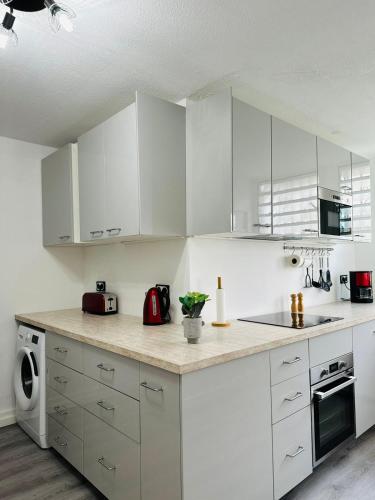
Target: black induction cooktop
[288, 321]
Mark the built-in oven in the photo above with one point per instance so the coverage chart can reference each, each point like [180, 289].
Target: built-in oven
[335, 214]
[333, 411]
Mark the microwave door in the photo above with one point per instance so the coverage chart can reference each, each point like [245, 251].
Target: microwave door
[330, 215]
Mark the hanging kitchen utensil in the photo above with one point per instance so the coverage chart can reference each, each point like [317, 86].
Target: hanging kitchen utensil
[315, 284]
[308, 283]
[328, 273]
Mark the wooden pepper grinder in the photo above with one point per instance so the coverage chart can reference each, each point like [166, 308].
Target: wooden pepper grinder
[301, 310]
[294, 310]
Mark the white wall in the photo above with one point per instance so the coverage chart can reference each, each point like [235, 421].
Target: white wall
[255, 276]
[32, 277]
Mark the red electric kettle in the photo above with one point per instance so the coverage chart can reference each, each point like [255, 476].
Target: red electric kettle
[156, 306]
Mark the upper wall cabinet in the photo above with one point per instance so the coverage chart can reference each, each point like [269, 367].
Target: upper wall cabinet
[334, 167]
[228, 167]
[361, 181]
[132, 173]
[294, 181]
[60, 197]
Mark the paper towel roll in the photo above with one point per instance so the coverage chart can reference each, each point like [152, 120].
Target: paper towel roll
[295, 260]
[220, 306]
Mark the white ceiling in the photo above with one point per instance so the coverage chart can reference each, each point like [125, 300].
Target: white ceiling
[311, 62]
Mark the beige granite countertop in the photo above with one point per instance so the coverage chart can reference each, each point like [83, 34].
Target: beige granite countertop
[165, 346]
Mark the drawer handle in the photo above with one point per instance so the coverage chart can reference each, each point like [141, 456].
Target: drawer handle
[113, 229]
[60, 410]
[61, 350]
[61, 380]
[295, 360]
[296, 396]
[64, 238]
[298, 452]
[105, 368]
[101, 460]
[103, 405]
[151, 388]
[94, 233]
[62, 444]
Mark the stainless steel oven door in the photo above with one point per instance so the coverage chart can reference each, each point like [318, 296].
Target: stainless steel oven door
[335, 214]
[333, 415]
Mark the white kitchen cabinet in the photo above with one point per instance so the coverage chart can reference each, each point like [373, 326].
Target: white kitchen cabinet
[91, 168]
[132, 173]
[294, 181]
[60, 197]
[364, 370]
[362, 216]
[330, 346]
[227, 432]
[229, 166]
[292, 451]
[334, 167]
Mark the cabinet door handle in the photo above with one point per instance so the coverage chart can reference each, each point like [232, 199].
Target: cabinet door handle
[291, 362]
[61, 410]
[104, 406]
[60, 350]
[293, 398]
[105, 368]
[94, 233]
[101, 460]
[64, 238]
[113, 229]
[62, 444]
[300, 449]
[151, 387]
[61, 380]
[261, 225]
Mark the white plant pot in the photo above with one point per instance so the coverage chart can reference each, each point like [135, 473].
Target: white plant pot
[193, 329]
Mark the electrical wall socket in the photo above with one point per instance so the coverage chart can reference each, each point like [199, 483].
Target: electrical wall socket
[100, 286]
[343, 279]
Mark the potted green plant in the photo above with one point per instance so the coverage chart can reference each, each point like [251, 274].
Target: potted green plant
[192, 305]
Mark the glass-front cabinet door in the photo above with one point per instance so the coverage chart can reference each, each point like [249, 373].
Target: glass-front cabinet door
[251, 170]
[361, 181]
[294, 181]
[334, 167]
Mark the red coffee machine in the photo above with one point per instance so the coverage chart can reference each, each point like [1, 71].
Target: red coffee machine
[361, 286]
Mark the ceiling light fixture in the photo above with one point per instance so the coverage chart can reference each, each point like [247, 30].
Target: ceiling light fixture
[60, 16]
[7, 34]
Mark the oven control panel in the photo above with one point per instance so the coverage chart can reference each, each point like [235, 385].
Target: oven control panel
[330, 368]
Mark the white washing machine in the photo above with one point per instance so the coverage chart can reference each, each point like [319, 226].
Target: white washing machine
[30, 384]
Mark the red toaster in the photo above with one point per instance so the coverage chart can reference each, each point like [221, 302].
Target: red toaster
[99, 303]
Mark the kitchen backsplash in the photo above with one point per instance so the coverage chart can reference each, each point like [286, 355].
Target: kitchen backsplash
[256, 278]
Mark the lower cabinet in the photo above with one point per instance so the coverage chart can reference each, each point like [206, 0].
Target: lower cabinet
[364, 366]
[292, 453]
[111, 460]
[66, 443]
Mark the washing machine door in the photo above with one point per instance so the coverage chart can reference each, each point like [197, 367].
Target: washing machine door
[26, 379]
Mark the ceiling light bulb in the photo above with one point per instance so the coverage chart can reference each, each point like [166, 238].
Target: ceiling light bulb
[7, 34]
[60, 15]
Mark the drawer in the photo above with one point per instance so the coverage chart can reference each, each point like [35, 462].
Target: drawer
[290, 396]
[65, 381]
[330, 346]
[113, 370]
[289, 361]
[115, 408]
[66, 443]
[292, 453]
[111, 460]
[65, 351]
[65, 412]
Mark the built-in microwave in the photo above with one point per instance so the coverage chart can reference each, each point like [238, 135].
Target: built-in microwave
[335, 214]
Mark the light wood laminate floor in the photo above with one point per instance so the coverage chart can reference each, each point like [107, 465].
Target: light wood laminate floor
[349, 474]
[29, 473]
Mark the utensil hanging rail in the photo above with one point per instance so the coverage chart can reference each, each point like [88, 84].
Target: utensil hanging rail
[309, 250]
